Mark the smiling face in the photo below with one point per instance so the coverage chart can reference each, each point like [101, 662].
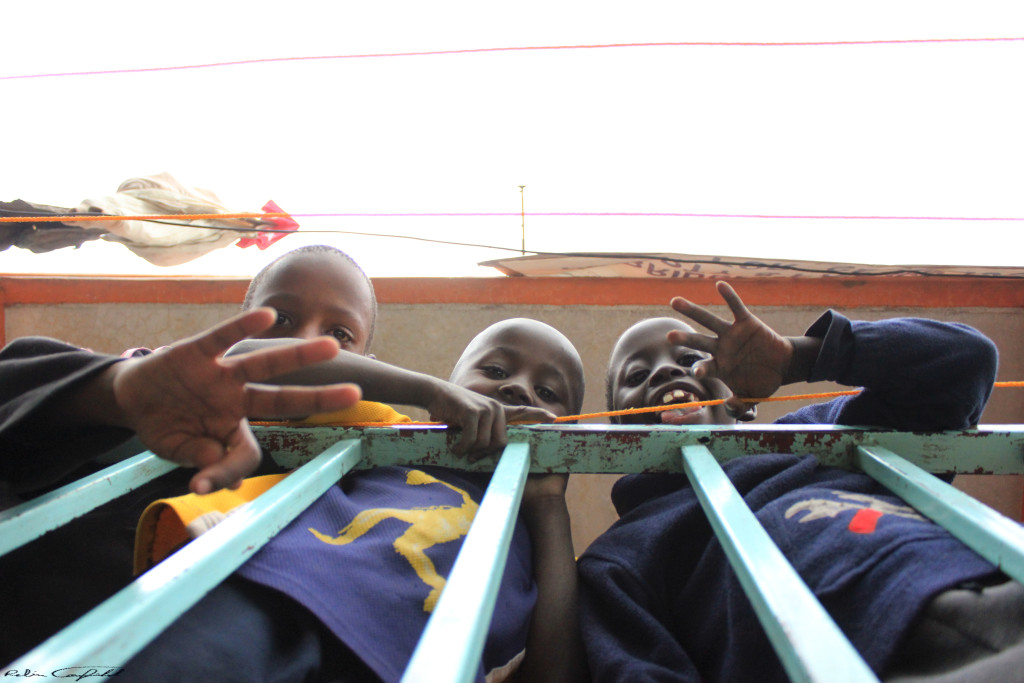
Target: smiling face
[318, 293]
[647, 370]
[523, 362]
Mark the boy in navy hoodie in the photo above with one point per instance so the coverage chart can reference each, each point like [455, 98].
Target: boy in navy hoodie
[659, 600]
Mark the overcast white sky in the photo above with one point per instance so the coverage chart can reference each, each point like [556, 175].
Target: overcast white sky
[894, 130]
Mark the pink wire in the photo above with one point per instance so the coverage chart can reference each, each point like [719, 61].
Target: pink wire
[518, 49]
[639, 213]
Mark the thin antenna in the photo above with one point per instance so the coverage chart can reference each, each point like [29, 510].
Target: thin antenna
[522, 196]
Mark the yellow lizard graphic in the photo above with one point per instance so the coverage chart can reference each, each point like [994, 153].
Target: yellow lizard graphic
[429, 526]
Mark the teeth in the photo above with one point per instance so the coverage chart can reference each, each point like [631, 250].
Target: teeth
[678, 396]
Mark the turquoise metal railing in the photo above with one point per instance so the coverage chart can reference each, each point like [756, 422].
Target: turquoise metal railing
[28, 521]
[463, 613]
[130, 619]
[451, 645]
[810, 645]
[996, 538]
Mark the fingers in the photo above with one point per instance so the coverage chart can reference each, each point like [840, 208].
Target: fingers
[224, 465]
[280, 360]
[218, 339]
[528, 414]
[708, 319]
[485, 435]
[468, 438]
[700, 315]
[270, 401]
[693, 340]
[705, 368]
[499, 434]
[736, 305]
[739, 409]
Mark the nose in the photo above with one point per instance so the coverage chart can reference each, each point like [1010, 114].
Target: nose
[666, 373]
[516, 394]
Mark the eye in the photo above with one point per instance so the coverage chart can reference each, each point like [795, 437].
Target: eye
[636, 377]
[282, 319]
[494, 371]
[546, 395]
[342, 335]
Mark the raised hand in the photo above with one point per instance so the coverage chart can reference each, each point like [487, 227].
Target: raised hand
[483, 420]
[747, 355]
[188, 403]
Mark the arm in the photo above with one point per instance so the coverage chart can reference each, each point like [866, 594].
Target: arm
[917, 374]
[188, 405]
[554, 647]
[481, 419]
[38, 448]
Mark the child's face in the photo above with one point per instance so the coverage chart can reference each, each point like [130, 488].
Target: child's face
[523, 362]
[647, 370]
[318, 293]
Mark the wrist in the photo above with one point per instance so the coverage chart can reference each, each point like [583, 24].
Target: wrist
[426, 390]
[95, 402]
[804, 356]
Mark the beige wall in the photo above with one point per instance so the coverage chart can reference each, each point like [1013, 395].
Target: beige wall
[429, 338]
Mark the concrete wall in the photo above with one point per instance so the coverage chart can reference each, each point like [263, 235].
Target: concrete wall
[429, 338]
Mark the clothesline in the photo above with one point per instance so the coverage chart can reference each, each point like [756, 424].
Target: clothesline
[456, 214]
[525, 48]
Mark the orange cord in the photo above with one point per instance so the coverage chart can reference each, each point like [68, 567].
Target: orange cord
[150, 217]
[698, 404]
[652, 409]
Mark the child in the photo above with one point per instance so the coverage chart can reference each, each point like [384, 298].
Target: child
[658, 598]
[319, 290]
[62, 406]
[346, 589]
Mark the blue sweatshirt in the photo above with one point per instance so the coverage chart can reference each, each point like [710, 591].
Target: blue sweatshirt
[659, 600]
[369, 558]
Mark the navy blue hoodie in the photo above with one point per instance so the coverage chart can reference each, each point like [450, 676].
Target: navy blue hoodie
[659, 599]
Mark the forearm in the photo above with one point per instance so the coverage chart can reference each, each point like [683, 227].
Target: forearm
[379, 381]
[554, 647]
[917, 374]
[44, 431]
[94, 403]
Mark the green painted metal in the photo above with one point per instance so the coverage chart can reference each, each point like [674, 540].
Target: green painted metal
[995, 537]
[28, 521]
[453, 641]
[994, 449]
[121, 626]
[810, 645]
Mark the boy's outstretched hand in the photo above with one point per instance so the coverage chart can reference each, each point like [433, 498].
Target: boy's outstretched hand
[189, 404]
[483, 420]
[747, 355]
